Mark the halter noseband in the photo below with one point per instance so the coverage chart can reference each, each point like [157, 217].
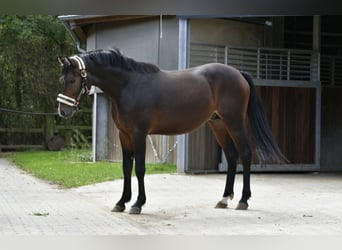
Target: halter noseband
[85, 90]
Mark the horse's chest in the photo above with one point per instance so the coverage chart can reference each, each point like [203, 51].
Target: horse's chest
[127, 119]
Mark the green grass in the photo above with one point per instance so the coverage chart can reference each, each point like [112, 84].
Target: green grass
[71, 168]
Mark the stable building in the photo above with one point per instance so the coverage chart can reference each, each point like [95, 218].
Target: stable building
[296, 63]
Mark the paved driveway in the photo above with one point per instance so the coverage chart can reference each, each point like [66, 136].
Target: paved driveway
[281, 204]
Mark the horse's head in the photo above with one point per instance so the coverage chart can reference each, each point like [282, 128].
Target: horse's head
[75, 85]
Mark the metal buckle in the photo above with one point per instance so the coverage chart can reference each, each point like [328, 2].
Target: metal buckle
[83, 73]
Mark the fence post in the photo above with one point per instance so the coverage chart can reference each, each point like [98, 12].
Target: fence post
[258, 63]
[68, 132]
[332, 70]
[288, 75]
[226, 54]
[49, 126]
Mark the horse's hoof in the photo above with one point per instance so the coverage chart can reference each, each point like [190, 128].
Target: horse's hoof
[221, 205]
[242, 206]
[135, 210]
[118, 208]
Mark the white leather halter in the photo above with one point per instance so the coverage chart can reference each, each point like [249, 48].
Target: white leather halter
[85, 90]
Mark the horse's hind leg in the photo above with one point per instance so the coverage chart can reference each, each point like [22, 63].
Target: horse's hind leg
[246, 158]
[224, 140]
[242, 144]
[235, 123]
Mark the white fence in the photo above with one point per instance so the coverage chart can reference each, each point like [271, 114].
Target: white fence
[331, 70]
[262, 63]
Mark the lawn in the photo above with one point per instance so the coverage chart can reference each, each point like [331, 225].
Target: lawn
[71, 168]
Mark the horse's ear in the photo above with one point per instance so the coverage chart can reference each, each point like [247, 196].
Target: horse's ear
[72, 62]
[64, 61]
[60, 60]
[69, 61]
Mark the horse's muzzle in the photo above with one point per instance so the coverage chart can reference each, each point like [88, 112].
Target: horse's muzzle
[65, 111]
[67, 106]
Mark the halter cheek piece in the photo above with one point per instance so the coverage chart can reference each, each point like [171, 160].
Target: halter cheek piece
[85, 90]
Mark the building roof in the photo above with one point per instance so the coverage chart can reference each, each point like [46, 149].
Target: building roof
[78, 25]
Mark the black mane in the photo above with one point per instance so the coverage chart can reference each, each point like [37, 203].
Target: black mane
[117, 59]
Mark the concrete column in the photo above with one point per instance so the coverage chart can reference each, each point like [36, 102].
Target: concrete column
[100, 125]
[183, 52]
[316, 33]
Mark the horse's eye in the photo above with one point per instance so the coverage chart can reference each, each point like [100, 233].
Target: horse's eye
[72, 81]
[61, 80]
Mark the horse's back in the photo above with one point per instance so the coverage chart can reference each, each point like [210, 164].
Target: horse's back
[219, 84]
[226, 82]
[218, 72]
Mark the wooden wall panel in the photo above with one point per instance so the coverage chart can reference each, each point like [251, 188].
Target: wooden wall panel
[204, 152]
[291, 115]
[331, 135]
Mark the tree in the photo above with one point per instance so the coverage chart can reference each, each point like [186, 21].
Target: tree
[29, 47]
[29, 70]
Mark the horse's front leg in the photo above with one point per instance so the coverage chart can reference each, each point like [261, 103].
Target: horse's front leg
[127, 165]
[139, 153]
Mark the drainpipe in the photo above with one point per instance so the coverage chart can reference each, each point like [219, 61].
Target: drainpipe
[78, 46]
[64, 21]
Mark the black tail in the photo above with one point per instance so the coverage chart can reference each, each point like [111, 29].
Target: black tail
[266, 147]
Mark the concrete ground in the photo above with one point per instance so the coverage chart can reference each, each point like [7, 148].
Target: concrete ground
[281, 204]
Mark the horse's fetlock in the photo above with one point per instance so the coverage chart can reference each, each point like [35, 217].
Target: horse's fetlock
[231, 196]
[246, 194]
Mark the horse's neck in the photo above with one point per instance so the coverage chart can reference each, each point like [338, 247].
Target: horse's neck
[110, 81]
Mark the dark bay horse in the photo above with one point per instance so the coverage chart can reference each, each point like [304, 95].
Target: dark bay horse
[147, 100]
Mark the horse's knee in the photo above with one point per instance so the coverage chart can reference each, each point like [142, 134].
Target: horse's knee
[140, 172]
[246, 154]
[232, 156]
[231, 152]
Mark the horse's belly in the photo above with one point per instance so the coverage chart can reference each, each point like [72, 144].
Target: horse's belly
[182, 108]
[178, 124]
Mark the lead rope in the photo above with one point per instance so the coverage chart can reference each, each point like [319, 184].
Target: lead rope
[155, 153]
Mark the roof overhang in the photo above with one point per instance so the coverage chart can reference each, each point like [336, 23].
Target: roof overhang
[78, 25]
